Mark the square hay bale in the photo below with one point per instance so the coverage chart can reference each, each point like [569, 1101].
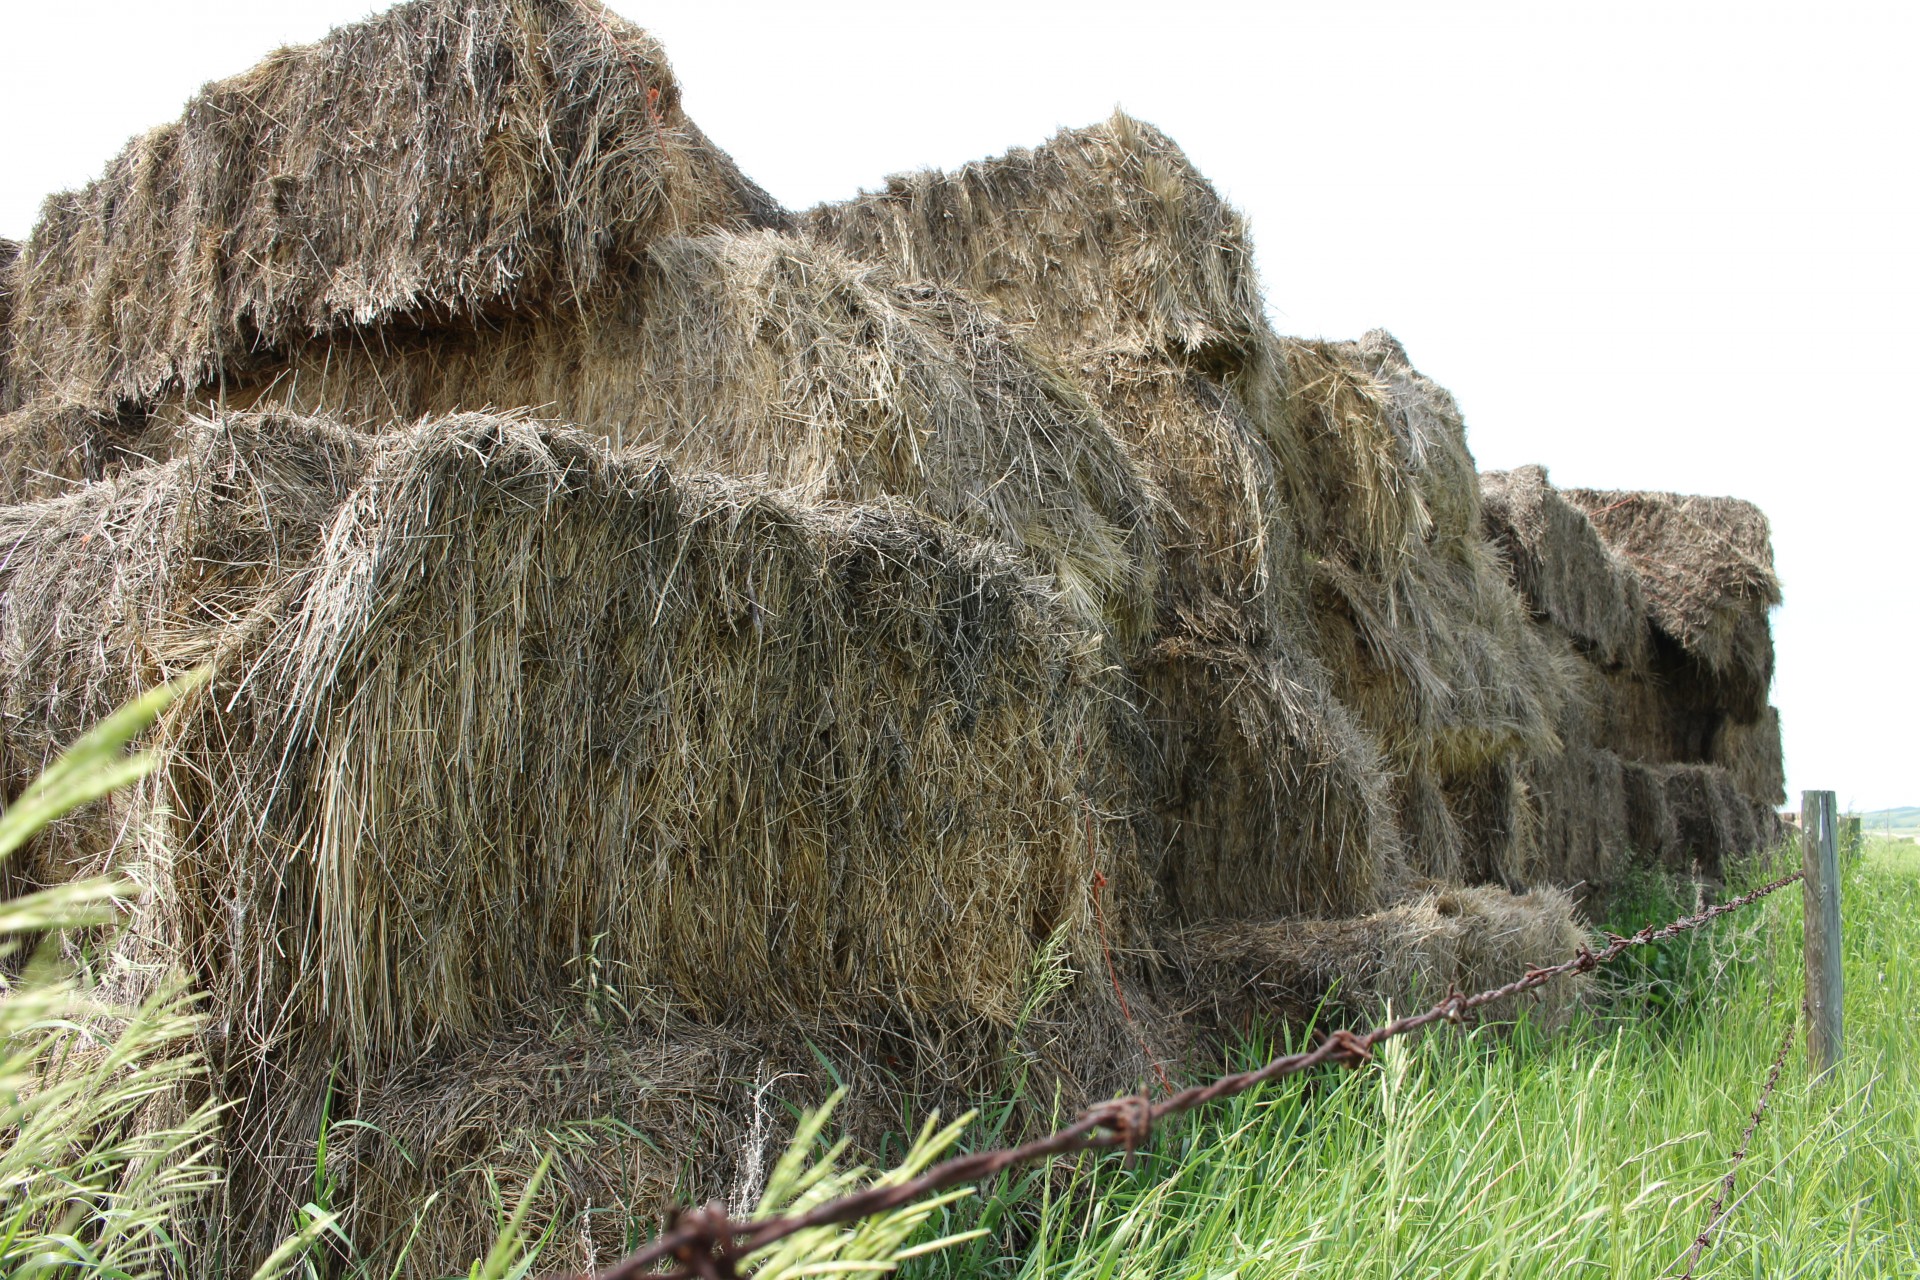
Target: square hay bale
[1105, 238]
[1229, 557]
[1269, 800]
[1652, 833]
[1406, 956]
[1436, 846]
[1499, 819]
[763, 757]
[48, 449]
[1751, 755]
[1584, 826]
[442, 159]
[645, 1115]
[1713, 822]
[1563, 569]
[1706, 569]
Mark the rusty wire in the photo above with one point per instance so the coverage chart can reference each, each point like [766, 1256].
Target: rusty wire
[708, 1244]
[1720, 1207]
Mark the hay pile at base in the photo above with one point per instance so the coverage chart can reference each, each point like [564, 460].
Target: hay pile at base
[1440, 941]
[894, 630]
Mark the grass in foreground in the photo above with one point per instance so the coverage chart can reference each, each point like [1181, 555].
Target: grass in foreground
[1595, 1154]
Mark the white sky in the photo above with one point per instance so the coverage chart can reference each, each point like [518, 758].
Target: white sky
[1671, 245]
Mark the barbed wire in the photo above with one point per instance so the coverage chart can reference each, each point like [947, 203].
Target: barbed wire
[1719, 1210]
[708, 1244]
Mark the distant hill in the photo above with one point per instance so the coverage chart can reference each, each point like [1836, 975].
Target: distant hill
[1906, 818]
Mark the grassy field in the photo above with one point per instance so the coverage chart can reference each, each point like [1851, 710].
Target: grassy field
[1596, 1154]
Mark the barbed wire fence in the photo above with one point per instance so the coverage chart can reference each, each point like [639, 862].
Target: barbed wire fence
[1720, 1207]
[707, 1243]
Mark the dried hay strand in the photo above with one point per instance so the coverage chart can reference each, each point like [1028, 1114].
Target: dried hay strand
[118, 586]
[1269, 800]
[444, 159]
[1560, 565]
[1408, 955]
[1706, 568]
[762, 753]
[1104, 239]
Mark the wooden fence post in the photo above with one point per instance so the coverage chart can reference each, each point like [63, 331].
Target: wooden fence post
[1819, 852]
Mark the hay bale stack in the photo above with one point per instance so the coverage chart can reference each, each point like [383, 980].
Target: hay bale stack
[1133, 275]
[1322, 506]
[440, 161]
[1706, 568]
[1669, 749]
[1568, 575]
[1409, 955]
[1104, 239]
[495, 702]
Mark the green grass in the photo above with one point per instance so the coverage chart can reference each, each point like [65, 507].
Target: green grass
[1594, 1154]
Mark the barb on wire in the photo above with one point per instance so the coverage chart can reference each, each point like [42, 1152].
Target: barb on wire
[1719, 1210]
[708, 1245]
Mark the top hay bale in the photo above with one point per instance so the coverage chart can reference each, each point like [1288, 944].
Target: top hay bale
[1559, 563]
[1105, 238]
[1706, 567]
[445, 158]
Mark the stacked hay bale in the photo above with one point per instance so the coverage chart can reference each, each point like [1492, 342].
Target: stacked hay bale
[1670, 753]
[885, 635]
